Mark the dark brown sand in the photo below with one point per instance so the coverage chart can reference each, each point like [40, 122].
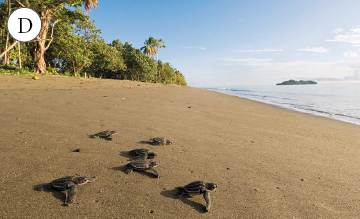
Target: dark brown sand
[267, 162]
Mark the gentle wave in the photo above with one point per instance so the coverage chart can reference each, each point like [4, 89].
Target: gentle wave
[340, 102]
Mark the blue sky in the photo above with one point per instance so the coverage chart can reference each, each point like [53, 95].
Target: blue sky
[233, 42]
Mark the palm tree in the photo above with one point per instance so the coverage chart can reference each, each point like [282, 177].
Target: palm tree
[159, 45]
[89, 4]
[152, 48]
[149, 48]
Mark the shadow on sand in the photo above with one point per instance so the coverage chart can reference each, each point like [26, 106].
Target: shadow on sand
[145, 142]
[124, 168]
[106, 138]
[127, 155]
[185, 199]
[48, 188]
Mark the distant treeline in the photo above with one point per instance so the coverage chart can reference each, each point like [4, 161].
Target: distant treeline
[293, 82]
[70, 44]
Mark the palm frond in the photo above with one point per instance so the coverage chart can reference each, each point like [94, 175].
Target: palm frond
[89, 4]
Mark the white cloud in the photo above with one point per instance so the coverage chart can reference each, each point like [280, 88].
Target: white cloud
[351, 37]
[249, 60]
[263, 50]
[319, 50]
[202, 48]
[346, 38]
[356, 30]
[328, 69]
[251, 71]
[355, 76]
[350, 54]
[338, 30]
[354, 65]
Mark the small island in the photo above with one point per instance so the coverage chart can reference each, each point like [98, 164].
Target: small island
[293, 82]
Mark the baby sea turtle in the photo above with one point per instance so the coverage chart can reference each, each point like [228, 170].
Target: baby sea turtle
[68, 183]
[142, 165]
[142, 154]
[160, 141]
[198, 187]
[104, 134]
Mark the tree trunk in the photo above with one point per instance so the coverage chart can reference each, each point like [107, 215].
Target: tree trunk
[6, 43]
[74, 69]
[39, 48]
[7, 36]
[19, 55]
[156, 70]
[12, 45]
[38, 56]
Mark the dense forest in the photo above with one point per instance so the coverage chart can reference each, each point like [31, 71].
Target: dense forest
[293, 82]
[70, 44]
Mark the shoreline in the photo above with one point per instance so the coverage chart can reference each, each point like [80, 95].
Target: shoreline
[268, 162]
[341, 118]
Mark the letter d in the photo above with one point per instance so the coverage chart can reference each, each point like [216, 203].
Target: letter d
[21, 25]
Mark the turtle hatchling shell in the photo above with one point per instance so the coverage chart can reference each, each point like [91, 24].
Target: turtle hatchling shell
[140, 164]
[62, 183]
[194, 187]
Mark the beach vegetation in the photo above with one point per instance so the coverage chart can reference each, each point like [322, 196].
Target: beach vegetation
[70, 44]
[14, 70]
[152, 48]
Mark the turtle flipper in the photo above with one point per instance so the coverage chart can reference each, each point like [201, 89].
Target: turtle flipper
[70, 195]
[154, 171]
[128, 170]
[207, 200]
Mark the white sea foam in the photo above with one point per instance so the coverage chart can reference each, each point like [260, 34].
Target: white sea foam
[336, 101]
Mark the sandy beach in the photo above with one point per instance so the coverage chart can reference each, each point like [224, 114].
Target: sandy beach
[267, 162]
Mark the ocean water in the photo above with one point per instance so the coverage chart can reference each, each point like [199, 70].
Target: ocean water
[336, 101]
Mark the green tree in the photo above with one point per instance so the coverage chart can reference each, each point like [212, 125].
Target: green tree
[159, 68]
[139, 66]
[51, 12]
[107, 61]
[117, 45]
[168, 73]
[72, 38]
[152, 48]
[179, 78]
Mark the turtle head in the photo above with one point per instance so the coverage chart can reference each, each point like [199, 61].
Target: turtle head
[211, 186]
[153, 164]
[83, 179]
[113, 132]
[151, 155]
[168, 142]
